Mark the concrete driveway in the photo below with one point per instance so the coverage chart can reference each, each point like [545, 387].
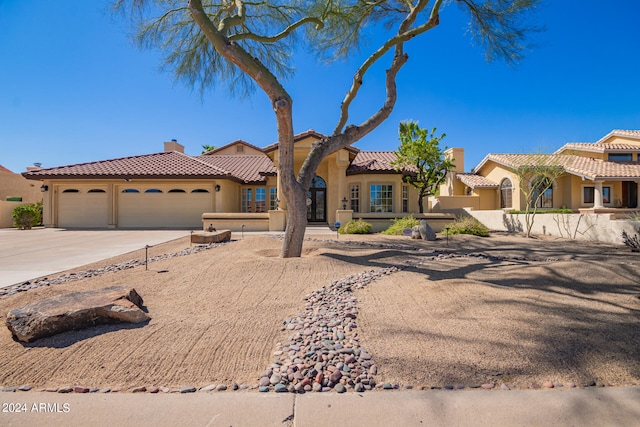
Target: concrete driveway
[29, 254]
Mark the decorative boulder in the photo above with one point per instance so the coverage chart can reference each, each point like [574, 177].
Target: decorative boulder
[415, 232]
[206, 237]
[426, 232]
[76, 310]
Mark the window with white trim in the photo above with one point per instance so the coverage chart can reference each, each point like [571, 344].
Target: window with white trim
[273, 196]
[405, 198]
[506, 194]
[381, 198]
[245, 204]
[261, 199]
[589, 194]
[354, 197]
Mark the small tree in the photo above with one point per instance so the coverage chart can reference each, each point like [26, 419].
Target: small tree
[207, 148]
[420, 156]
[536, 177]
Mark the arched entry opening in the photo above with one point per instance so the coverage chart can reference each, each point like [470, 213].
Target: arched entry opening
[317, 201]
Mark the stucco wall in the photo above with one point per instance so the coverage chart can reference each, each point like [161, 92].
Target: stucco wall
[6, 208]
[587, 227]
[15, 185]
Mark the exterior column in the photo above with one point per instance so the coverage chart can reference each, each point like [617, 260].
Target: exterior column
[282, 203]
[597, 195]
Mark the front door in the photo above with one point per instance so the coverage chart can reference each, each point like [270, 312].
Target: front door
[317, 201]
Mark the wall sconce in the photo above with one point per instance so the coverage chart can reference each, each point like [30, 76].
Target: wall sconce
[44, 188]
[344, 203]
[217, 187]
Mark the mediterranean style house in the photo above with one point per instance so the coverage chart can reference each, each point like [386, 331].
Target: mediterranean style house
[235, 186]
[596, 177]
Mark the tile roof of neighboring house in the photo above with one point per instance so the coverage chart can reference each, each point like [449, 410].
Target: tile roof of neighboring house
[601, 146]
[476, 181]
[372, 162]
[245, 168]
[3, 169]
[159, 165]
[587, 167]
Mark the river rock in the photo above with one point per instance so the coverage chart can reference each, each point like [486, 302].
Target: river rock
[76, 310]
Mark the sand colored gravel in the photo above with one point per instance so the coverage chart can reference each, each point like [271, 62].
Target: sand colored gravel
[565, 312]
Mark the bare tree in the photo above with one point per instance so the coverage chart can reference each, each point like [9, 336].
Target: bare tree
[536, 178]
[247, 44]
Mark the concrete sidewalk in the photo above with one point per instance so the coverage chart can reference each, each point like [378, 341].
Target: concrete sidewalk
[29, 254]
[583, 407]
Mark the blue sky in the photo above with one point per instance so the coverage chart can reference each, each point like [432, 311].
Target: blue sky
[74, 88]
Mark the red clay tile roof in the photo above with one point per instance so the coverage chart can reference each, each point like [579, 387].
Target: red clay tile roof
[302, 136]
[475, 181]
[159, 165]
[372, 162]
[601, 146]
[587, 167]
[248, 169]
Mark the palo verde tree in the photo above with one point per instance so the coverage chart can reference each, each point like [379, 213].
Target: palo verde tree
[420, 156]
[536, 176]
[251, 44]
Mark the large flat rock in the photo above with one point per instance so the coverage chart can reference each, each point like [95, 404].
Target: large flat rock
[205, 237]
[76, 310]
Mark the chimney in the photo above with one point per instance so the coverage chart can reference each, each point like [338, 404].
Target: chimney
[173, 146]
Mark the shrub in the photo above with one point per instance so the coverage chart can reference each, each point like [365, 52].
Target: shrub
[401, 223]
[631, 241]
[356, 227]
[468, 225]
[26, 216]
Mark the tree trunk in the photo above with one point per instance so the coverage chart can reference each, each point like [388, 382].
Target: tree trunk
[296, 224]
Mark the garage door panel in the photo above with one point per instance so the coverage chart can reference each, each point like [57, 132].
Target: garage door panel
[163, 210]
[82, 208]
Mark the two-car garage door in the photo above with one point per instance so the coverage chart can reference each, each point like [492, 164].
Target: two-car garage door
[137, 207]
[162, 207]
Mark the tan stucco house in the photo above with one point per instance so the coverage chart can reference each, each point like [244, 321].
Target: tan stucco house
[598, 177]
[236, 186]
[15, 190]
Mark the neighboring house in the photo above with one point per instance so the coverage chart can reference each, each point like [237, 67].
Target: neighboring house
[598, 177]
[14, 191]
[236, 184]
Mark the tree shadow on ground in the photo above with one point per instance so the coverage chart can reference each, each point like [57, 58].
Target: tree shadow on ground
[582, 311]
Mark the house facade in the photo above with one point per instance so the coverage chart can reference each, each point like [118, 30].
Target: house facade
[596, 177]
[235, 186]
[15, 190]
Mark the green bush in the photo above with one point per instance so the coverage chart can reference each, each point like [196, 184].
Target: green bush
[356, 227]
[26, 216]
[399, 224]
[468, 225]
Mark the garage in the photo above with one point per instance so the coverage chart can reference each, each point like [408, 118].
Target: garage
[83, 207]
[163, 206]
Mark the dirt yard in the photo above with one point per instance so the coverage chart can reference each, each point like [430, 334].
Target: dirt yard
[495, 310]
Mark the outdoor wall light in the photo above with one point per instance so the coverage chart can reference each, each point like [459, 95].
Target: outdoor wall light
[44, 188]
[277, 203]
[344, 203]
[217, 187]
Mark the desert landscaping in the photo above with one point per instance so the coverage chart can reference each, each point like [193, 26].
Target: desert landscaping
[365, 312]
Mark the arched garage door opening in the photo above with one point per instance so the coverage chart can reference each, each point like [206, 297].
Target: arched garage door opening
[83, 207]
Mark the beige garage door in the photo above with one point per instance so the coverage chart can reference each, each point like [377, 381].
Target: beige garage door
[84, 207]
[163, 207]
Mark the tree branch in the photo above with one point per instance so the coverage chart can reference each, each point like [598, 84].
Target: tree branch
[404, 34]
[284, 33]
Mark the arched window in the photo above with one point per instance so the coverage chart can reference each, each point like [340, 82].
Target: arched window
[506, 194]
[318, 182]
[199, 190]
[542, 194]
[177, 190]
[152, 190]
[71, 190]
[96, 190]
[130, 190]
